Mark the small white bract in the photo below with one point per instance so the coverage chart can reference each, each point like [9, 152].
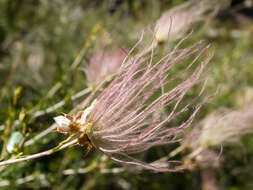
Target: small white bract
[63, 123]
[86, 112]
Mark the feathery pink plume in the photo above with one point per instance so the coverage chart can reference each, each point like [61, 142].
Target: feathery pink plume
[128, 117]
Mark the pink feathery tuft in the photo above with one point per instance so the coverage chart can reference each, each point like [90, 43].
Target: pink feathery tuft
[102, 65]
[128, 116]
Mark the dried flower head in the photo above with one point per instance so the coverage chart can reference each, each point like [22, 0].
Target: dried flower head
[222, 126]
[127, 118]
[174, 23]
[104, 64]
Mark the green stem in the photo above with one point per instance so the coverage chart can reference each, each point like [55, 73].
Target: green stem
[61, 146]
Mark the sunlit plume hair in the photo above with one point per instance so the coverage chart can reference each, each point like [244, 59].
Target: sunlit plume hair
[174, 23]
[220, 127]
[128, 117]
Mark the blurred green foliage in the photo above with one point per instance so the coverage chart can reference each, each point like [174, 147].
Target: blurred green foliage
[40, 41]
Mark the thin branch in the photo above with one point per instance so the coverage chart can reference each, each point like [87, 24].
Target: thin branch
[87, 44]
[41, 177]
[40, 135]
[86, 170]
[41, 154]
[112, 170]
[61, 103]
